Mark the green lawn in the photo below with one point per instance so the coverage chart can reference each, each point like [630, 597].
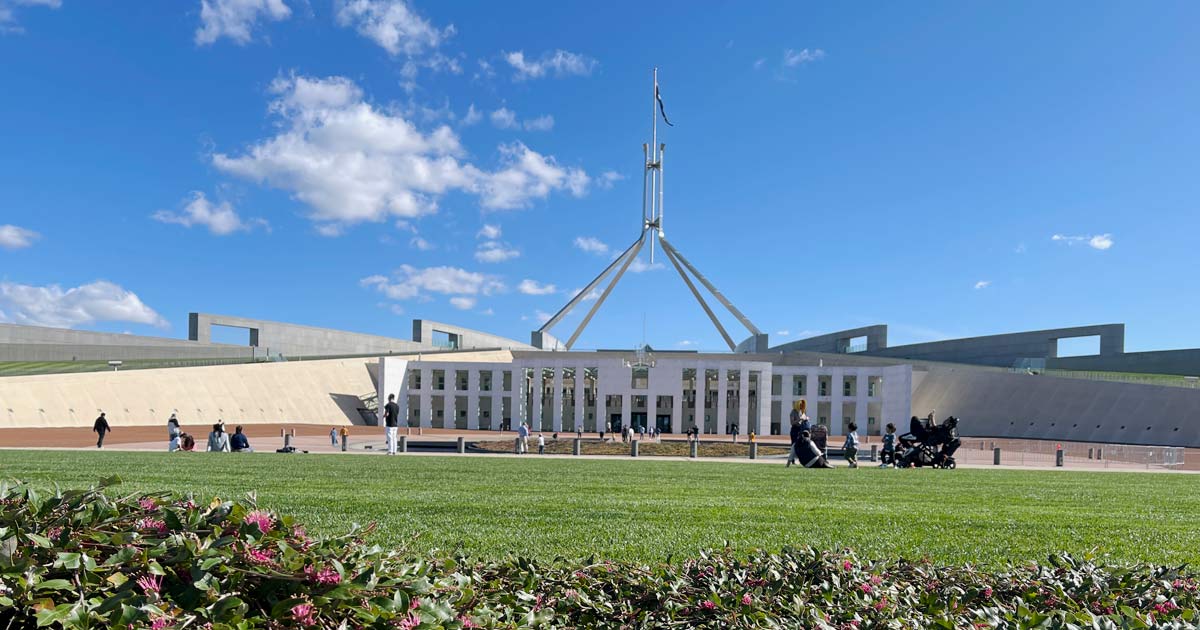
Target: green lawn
[644, 510]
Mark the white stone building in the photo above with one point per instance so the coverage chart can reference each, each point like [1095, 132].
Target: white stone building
[592, 391]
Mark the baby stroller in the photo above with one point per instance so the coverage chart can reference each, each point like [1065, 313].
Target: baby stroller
[929, 444]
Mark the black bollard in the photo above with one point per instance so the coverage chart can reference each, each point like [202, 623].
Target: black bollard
[874, 452]
[462, 445]
[633, 448]
[1058, 458]
[577, 447]
[695, 448]
[996, 456]
[403, 446]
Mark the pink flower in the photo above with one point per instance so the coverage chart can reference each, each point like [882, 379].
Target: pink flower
[876, 580]
[152, 524]
[260, 519]
[987, 591]
[571, 593]
[410, 622]
[846, 566]
[304, 614]
[746, 599]
[466, 622]
[260, 556]
[325, 576]
[881, 604]
[150, 583]
[707, 605]
[416, 603]
[866, 588]
[161, 622]
[54, 533]
[148, 504]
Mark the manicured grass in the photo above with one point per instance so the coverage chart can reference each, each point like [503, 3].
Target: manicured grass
[645, 510]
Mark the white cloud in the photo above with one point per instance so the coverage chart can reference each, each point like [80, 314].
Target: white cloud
[640, 265]
[608, 178]
[52, 306]
[396, 309]
[8, 12]
[392, 24]
[236, 19]
[533, 287]
[793, 58]
[495, 252]
[421, 244]
[759, 63]
[220, 219]
[983, 284]
[463, 303]
[560, 63]
[351, 161]
[489, 231]
[487, 311]
[541, 316]
[541, 123]
[1020, 249]
[1098, 241]
[591, 245]
[410, 282]
[594, 295]
[473, 116]
[528, 175]
[686, 343]
[504, 118]
[15, 237]
[783, 333]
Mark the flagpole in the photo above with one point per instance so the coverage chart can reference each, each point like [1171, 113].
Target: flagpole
[654, 183]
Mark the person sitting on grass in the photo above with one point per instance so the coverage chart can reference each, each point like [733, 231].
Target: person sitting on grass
[187, 442]
[238, 442]
[808, 453]
[218, 440]
[794, 436]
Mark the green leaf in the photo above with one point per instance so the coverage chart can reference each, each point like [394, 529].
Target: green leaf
[54, 585]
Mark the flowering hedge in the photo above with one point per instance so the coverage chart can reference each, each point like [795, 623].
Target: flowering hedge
[84, 559]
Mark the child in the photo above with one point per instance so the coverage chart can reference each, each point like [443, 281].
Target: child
[850, 448]
[541, 444]
[889, 447]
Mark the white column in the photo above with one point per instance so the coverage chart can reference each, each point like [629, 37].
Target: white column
[787, 399]
[535, 412]
[837, 375]
[744, 422]
[626, 410]
[426, 397]
[722, 399]
[497, 399]
[557, 419]
[473, 399]
[677, 400]
[601, 407]
[580, 390]
[764, 410]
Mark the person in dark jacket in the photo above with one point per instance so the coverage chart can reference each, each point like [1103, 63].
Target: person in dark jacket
[238, 442]
[100, 428]
[795, 436]
[809, 454]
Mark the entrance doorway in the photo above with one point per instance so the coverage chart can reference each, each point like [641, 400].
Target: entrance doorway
[615, 423]
[663, 423]
[638, 420]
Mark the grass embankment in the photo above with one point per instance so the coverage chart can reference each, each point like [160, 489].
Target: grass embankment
[672, 448]
[645, 510]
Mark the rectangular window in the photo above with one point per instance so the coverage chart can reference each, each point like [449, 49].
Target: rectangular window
[507, 380]
[824, 388]
[439, 380]
[639, 378]
[414, 379]
[776, 385]
[846, 388]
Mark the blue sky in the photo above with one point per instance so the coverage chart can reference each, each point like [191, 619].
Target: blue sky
[355, 164]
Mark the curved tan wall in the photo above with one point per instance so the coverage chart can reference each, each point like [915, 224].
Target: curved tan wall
[316, 392]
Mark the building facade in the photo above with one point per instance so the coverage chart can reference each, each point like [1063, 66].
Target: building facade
[607, 391]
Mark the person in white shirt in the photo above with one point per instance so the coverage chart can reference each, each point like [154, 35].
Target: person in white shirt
[541, 444]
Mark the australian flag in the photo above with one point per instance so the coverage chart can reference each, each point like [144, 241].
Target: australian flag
[661, 109]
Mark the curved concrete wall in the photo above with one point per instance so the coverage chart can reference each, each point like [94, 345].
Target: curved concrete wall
[1001, 404]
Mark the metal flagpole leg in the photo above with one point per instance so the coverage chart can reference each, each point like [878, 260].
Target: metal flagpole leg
[588, 289]
[712, 289]
[629, 257]
[699, 298]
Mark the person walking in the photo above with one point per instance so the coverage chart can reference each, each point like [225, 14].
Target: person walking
[218, 441]
[391, 418]
[850, 447]
[735, 432]
[333, 436]
[541, 444]
[888, 457]
[345, 435]
[522, 439]
[100, 427]
[795, 434]
[173, 433]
